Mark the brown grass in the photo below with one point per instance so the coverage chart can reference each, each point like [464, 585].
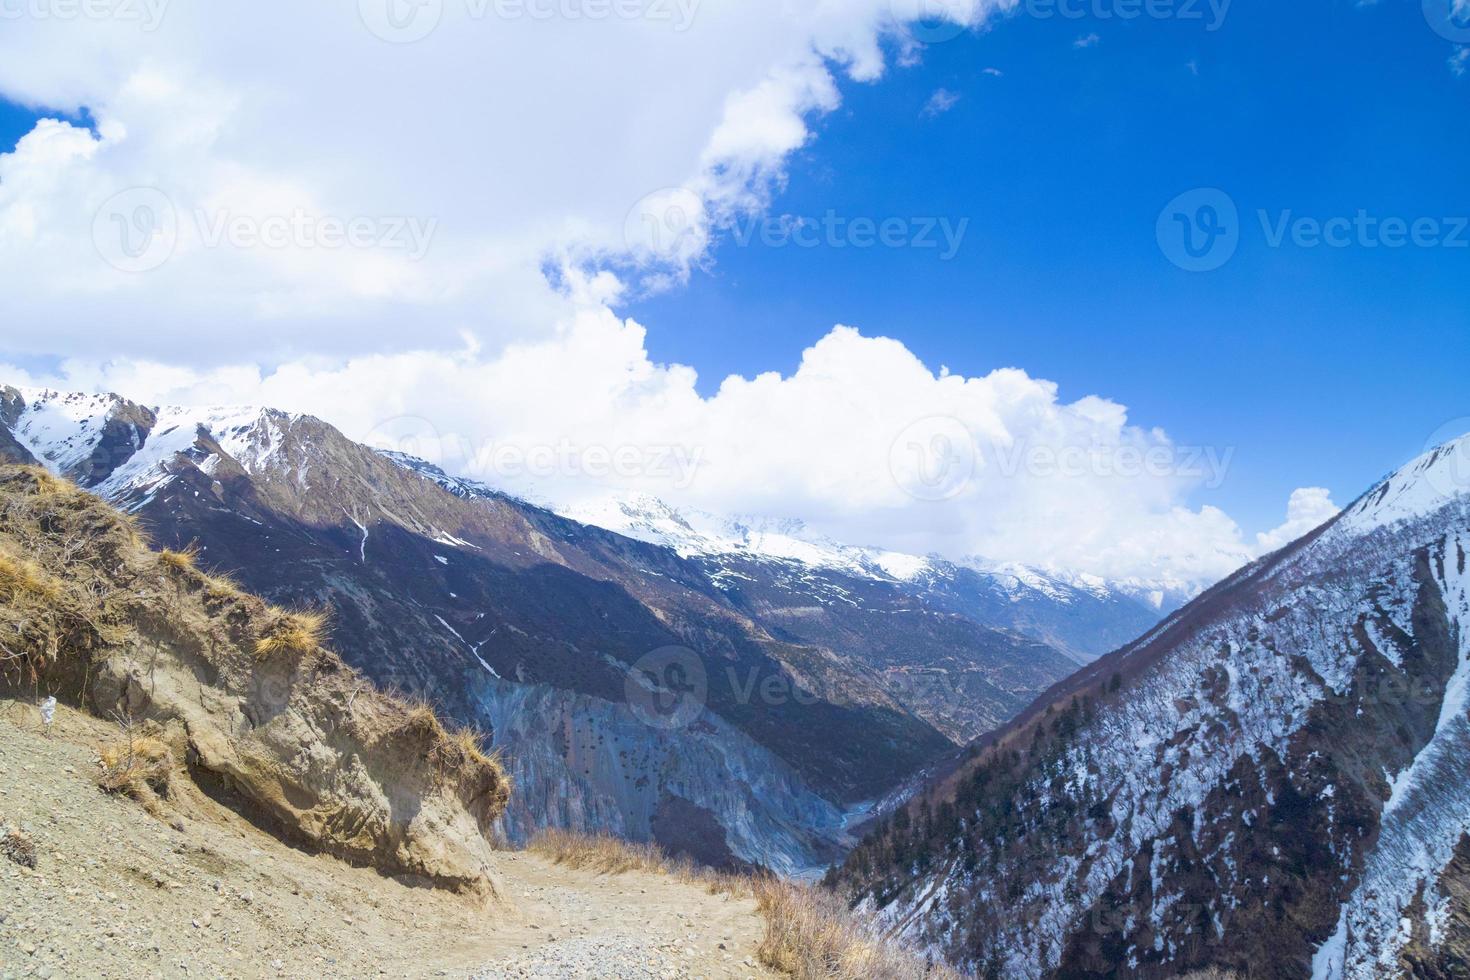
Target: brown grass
[221, 587]
[300, 632]
[810, 933]
[22, 579]
[422, 720]
[603, 854]
[180, 562]
[136, 764]
[40, 482]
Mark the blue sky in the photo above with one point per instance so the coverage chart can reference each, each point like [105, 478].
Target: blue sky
[1091, 162]
[1321, 365]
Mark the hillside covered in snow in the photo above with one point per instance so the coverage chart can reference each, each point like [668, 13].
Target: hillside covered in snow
[1272, 783]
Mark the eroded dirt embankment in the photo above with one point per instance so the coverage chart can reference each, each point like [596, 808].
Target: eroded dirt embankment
[118, 892]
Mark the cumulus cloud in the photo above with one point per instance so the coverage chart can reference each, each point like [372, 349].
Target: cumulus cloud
[416, 229]
[275, 179]
[1308, 509]
[862, 440]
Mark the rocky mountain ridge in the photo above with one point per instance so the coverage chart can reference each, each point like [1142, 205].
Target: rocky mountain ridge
[1270, 784]
[507, 615]
[1082, 615]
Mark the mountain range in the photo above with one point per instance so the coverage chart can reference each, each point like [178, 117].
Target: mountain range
[1270, 783]
[823, 679]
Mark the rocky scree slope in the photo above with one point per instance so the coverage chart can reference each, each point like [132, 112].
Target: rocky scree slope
[1272, 783]
[221, 694]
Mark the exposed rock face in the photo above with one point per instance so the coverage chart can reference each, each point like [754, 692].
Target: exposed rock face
[1272, 783]
[293, 737]
[579, 761]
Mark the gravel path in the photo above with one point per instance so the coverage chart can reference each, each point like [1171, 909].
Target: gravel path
[119, 893]
[626, 926]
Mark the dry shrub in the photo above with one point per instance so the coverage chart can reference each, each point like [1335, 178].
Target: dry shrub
[137, 764]
[180, 562]
[299, 632]
[601, 853]
[810, 934]
[23, 580]
[222, 588]
[461, 756]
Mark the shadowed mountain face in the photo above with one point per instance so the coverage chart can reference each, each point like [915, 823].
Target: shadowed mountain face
[1272, 783]
[541, 628]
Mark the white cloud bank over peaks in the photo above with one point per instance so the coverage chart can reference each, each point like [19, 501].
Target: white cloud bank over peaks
[280, 177]
[421, 211]
[863, 441]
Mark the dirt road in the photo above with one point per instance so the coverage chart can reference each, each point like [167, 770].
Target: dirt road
[120, 893]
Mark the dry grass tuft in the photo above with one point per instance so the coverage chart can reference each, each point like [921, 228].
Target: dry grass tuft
[222, 588]
[40, 482]
[137, 765]
[810, 932]
[22, 579]
[180, 562]
[420, 719]
[300, 632]
[602, 853]
[462, 756]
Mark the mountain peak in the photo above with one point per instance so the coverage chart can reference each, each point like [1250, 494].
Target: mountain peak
[1416, 490]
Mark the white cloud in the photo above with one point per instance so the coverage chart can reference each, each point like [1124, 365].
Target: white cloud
[1087, 41]
[940, 102]
[411, 198]
[862, 440]
[524, 132]
[1308, 508]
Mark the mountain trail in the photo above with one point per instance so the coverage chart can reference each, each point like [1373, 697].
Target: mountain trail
[117, 892]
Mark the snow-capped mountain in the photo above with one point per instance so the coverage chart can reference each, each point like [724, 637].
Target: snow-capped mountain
[1082, 615]
[1272, 783]
[825, 687]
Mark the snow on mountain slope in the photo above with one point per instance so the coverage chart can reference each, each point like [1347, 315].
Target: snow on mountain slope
[68, 431]
[62, 429]
[697, 534]
[1081, 614]
[443, 587]
[1272, 783]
